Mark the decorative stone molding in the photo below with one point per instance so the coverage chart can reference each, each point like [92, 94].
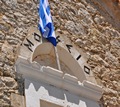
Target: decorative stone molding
[56, 78]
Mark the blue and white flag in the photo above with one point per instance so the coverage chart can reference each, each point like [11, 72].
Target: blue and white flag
[45, 22]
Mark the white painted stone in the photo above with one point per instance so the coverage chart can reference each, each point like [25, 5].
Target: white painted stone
[54, 77]
[35, 92]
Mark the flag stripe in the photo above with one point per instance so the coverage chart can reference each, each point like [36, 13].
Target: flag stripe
[48, 10]
[45, 22]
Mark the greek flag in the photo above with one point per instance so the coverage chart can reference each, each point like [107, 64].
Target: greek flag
[45, 22]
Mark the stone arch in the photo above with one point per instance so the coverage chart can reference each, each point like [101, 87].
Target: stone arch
[34, 46]
[68, 64]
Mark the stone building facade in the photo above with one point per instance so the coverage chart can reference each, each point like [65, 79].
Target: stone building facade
[91, 28]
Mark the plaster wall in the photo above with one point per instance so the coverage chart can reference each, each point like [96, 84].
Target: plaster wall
[36, 92]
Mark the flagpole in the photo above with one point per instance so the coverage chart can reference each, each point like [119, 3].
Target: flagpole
[57, 58]
[46, 26]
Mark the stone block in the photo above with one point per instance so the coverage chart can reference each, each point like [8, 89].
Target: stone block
[17, 100]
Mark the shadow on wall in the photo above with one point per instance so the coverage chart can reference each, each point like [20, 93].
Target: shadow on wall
[54, 92]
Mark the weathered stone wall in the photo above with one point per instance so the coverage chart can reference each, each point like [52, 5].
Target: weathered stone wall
[79, 21]
[110, 9]
[15, 18]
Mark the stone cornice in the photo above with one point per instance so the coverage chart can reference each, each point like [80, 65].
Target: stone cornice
[57, 78]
